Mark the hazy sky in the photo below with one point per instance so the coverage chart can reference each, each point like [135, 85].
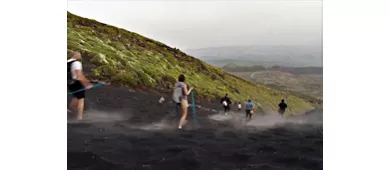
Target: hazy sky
[198, 24]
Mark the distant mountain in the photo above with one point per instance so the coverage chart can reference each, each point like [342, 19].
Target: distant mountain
[232, 67]
[289, 56]
[126, 58]
[300, 70]
[236, 68]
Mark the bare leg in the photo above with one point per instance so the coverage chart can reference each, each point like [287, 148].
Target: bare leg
[80, 109]
[73, 104]
[183, 116]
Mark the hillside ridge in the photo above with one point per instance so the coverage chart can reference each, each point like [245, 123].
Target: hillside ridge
[126, 58]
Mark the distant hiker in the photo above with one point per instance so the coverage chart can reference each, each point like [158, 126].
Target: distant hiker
[225, 101]
[282, 107]
[180, 97]
[249, 109]
[77, 81]
[239, 106]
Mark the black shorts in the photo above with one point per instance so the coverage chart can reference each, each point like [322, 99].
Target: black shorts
[227, 108]
[77, 86]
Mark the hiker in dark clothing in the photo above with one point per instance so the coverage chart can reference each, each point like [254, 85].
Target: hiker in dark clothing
[225, 101]
[282, 107]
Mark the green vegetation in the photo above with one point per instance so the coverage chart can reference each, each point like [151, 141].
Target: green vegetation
[129, 59]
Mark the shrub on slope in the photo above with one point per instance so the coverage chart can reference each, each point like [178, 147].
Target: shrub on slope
[126, 58]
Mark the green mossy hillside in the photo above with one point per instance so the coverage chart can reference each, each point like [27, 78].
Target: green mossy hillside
[126, 58]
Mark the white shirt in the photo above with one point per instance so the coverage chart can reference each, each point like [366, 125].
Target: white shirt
[75, 66]
[224, 103]
[239, 106]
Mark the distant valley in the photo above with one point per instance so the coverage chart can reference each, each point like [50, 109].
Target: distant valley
[305, 82]
[268, 56]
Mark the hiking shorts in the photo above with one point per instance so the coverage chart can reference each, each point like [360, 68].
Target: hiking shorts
[184, 103]
[227, 108]
[248, 113]
[77, 86]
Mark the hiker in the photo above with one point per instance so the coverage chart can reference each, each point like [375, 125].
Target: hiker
[249, 109]
[77, 81]
[282, 107]
[180, 96]
[225, 101]
[239, 106]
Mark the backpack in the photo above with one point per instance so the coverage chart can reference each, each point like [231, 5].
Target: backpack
[70, 76]
[177, 94]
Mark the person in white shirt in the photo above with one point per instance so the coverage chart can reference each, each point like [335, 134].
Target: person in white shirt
[77, 81]
[239, 106]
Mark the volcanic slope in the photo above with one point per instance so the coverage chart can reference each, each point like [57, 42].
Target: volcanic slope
[126, 58]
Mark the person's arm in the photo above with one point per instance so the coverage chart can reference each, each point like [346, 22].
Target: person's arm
[77, 67]
[187, 92]
[81, 77]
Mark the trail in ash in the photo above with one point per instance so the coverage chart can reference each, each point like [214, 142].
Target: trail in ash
[134, 133]
[238, 120]
[224, 142]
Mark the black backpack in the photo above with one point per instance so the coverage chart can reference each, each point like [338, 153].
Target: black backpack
[70, 77]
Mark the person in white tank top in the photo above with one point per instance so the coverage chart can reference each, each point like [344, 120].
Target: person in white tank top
[78, 83]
